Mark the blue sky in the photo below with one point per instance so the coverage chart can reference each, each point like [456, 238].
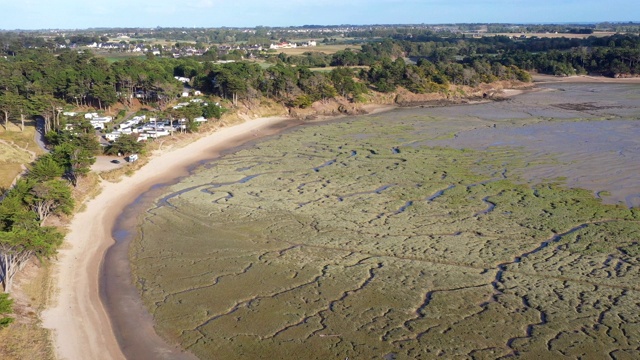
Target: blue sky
[80, 14]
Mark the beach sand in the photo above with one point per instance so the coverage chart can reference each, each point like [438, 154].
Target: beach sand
[79, 322]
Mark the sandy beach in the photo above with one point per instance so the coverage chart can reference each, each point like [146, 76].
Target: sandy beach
[81, 326]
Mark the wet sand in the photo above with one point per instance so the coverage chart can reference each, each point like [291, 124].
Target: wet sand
[590, 132]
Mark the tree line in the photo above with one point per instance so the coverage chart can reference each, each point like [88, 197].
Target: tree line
[616, 55]
[44, 191]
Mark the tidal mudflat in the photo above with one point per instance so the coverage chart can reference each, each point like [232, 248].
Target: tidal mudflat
[454, 231]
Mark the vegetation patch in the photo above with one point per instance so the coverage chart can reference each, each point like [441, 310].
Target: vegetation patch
[354, 239]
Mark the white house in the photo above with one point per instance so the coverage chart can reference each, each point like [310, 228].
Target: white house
[283, 45]
[129, 123]
[157, 133]
[98, 122]
[103, 119]
[113, 136]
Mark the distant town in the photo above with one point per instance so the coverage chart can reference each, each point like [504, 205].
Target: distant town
[227, 42]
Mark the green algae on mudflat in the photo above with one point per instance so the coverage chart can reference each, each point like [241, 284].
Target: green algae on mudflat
[349, 240]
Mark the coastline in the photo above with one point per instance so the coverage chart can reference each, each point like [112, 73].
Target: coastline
[81, 327]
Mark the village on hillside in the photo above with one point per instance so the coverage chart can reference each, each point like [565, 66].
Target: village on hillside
[143, 127]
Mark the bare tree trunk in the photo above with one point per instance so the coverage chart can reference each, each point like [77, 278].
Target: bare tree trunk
[47, 123]
[10, 265]
[21, 122]
[7, 267]
[56, 115]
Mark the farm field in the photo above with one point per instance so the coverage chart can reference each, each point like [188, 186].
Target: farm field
[327, 49]
[462, 231]
[117, 56]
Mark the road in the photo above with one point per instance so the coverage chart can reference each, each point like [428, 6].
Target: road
[39, 135]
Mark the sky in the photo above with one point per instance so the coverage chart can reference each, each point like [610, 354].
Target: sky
[82, 14]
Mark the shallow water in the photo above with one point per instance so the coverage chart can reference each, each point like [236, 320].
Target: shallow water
[589, 153]
[357, 238]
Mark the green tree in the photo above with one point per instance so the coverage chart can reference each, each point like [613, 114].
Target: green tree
[10, 103]
[212, 111]
[236, 80]
[13, 209]
[189, 113]
[105, 94]
[20, 243]
[77, 155]
[345, 85]
[50, 197]
[302, 101]
[126, 144]
[45, 168]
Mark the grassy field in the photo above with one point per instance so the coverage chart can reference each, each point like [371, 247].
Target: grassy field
[354, 240]
[25, 338]
[115, 56]
[327, 49]
[17, 148]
